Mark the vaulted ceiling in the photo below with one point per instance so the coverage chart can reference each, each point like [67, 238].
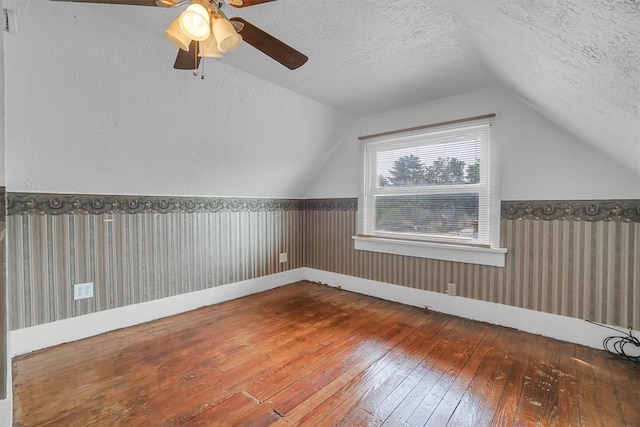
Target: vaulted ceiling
[575, 61]
[368, 56]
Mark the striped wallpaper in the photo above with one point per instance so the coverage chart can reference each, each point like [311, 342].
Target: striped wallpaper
[583, 269]
[3, 297]
[134, 258]
[579, 259]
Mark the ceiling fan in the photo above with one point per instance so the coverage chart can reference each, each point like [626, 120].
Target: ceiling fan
[203, 30]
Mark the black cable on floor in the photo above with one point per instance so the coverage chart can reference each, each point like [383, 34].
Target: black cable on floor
[626, 346]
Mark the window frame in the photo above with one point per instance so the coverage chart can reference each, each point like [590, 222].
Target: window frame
[487, 252]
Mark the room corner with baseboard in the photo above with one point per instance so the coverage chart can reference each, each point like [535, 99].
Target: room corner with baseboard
[144, 199]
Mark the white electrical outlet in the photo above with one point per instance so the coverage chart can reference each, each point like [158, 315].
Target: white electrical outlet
[451, 288]
[283, 257]
[83, 290]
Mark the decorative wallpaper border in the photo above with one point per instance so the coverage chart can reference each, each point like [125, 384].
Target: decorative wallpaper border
[347, 204]
[576, 210]
[3, 204]
[60, 204]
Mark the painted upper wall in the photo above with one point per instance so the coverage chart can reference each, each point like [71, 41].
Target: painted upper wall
[88, 113]
[539, 160]
[2, 120]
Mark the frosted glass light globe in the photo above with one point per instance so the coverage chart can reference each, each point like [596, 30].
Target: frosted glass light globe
[194, 21]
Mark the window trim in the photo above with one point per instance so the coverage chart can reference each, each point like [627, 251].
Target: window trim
[428, 248]
[442, 251]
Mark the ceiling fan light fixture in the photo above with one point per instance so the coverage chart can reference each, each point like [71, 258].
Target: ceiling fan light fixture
[176, 36]
[209, 48]
[227, 37]
[194, 22]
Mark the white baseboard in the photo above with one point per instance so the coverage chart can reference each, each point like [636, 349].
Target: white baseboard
[6, 411]
[26, 340]
[564, 328]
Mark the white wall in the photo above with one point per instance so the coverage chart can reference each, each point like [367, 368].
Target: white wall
[539, 160]
[6, 409]
[2, 121]
[5, 404]
[94, 106]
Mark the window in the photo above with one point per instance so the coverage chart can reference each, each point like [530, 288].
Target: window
[432, 187]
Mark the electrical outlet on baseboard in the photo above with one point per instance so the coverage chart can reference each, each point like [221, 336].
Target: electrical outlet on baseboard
[451, 289]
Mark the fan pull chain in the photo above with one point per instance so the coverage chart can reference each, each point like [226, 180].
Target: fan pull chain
[195, 58]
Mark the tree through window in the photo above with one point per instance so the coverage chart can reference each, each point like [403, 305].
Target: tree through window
[430, 185]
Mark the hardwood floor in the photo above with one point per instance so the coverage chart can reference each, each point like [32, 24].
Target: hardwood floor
[309, 354]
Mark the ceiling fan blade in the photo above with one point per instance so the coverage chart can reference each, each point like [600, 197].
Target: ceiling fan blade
[271, 46]
[246, 3]
[188, 60]
[126, 2]
[158, 3]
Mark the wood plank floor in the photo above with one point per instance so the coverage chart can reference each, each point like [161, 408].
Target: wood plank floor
[309, 354]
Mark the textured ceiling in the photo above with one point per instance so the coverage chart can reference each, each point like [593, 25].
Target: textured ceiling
[575, 61]
[367, 56]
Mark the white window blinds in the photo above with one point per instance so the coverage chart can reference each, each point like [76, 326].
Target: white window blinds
[430, 184]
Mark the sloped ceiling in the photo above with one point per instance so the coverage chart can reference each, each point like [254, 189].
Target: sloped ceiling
[575, 61]
[367, 56]
[93, 105]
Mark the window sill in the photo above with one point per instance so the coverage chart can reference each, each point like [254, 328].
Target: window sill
[443, 251]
